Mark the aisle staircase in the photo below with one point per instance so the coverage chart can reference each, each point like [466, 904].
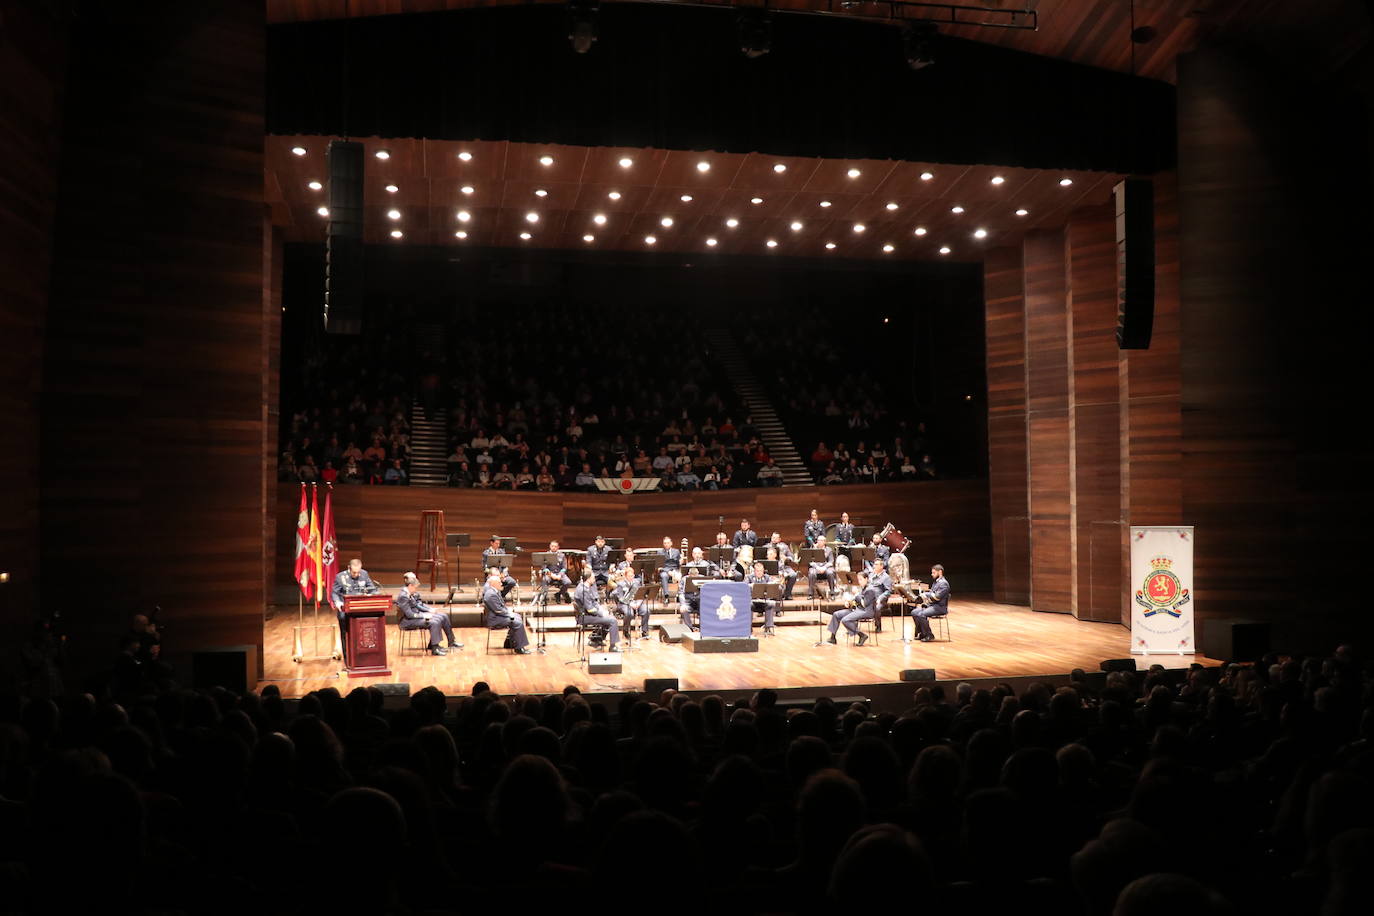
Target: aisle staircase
[428, 435]
[760, 406]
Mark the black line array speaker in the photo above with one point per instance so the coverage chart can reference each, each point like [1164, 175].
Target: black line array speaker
[1135, 263]
[343, 275]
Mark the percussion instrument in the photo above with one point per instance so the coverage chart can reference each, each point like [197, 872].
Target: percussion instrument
[894, 539]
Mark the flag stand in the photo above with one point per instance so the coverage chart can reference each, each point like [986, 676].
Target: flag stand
[298, 654]
[308, 545]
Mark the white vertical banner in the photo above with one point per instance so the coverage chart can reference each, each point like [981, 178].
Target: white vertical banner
[1161, 590]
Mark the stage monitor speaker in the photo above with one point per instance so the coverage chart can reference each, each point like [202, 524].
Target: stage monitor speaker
[1232, 640]
[343, 273]
[401, 689]
[231, 667]
[603, 663]
[1135, 263]
[654, 686]
[918, 674]
[1117, 664]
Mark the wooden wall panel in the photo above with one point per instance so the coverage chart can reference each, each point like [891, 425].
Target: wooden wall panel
[946, 519]
[153, 379]
[1047, 423]
[1004, 294]
[32, 62]
[1094, 415]
[271, 389]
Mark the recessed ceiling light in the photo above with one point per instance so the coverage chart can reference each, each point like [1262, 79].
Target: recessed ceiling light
[858, 227]
[540, 192]
[614, 195]
[1022, 212]
[298, 150]
[853, 173]
[997, 179]
[396, 233]
[756, 200]
[393, 214]
[626, 162]
[526, 236]
[889, 248]
[829, 246]
[980, 233]
[314, 186]
[711, 243]
[920, 230]
[460, 234]
[532, 217]
[686, 198]
[825, 203]
[599, 219]
[944, 249]
[546, 160]
[796, 225]
[779, 168]
[589, 238]
[465, 156]
[1065, 182]
[772, 243]
[466, 189]
[956, 209]
[383, 154]
[323, 211]
[703, 166]
[464, 216]
[732, 222]
[926, 176]
[649, 240]
[666, 222]
[392, 189]
[891, 205]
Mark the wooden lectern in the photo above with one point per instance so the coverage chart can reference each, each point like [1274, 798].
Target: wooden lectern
[367, 635]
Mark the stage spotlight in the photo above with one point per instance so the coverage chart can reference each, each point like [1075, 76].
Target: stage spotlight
[582, 24]
[918, 43]
[755, 29]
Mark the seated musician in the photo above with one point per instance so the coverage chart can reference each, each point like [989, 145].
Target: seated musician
[934, 603]
[822, 570]
[879, 579]
[599, 560]
[489, 563]
[880, 550]
[555, 572]
[862, 606]
[744, 536]
[764, 606]
[671, 558]
[500, 617]
[814, 529]
[414, 614]
[627, 562]
[844, 532]
[779, 550]
[587, 607]
[698, 568]
[624, 584]
[352, 581]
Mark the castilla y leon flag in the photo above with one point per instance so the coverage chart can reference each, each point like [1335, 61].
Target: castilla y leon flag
[312, 547]
[302, 570]
[329, 557]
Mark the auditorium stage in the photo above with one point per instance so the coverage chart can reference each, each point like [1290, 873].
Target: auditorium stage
[987, 640]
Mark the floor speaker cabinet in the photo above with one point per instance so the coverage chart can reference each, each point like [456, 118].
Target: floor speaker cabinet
[654, 686]
[1117, 664]
[1232, 639]
[709, 645]
[604, 663]
[231, 667]
[1135, 263]
[401, 689]
[672, 632]
[919, 675]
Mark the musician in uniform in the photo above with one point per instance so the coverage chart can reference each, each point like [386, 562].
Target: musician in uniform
[500, 617]
[745, 535]
[863, 606]
[599, 560]
[623, 586]
[765, 606]
[814, 529]
[489, 562]
[671, 561]
[934, 603]
[352, 581]
[698, 568]
[587, 607]
[879, 579]
[416, 615]
[627, 563]
[844, 532]
[880, 550]
[823, 570]
[556, 572]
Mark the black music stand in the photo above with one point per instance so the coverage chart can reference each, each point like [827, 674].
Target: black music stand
[509, 544]
[864, 533]
[691, 585]
[500, 561]
[860, 556]
[616, 543]
[765, 591]
[642, 594]
[721, 556]
[805, 557]
[769, 566]
[458, 541]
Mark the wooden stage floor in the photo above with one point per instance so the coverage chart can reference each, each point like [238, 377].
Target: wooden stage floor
[987, 640]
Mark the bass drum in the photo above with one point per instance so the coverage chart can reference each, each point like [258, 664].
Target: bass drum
[894, 539]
